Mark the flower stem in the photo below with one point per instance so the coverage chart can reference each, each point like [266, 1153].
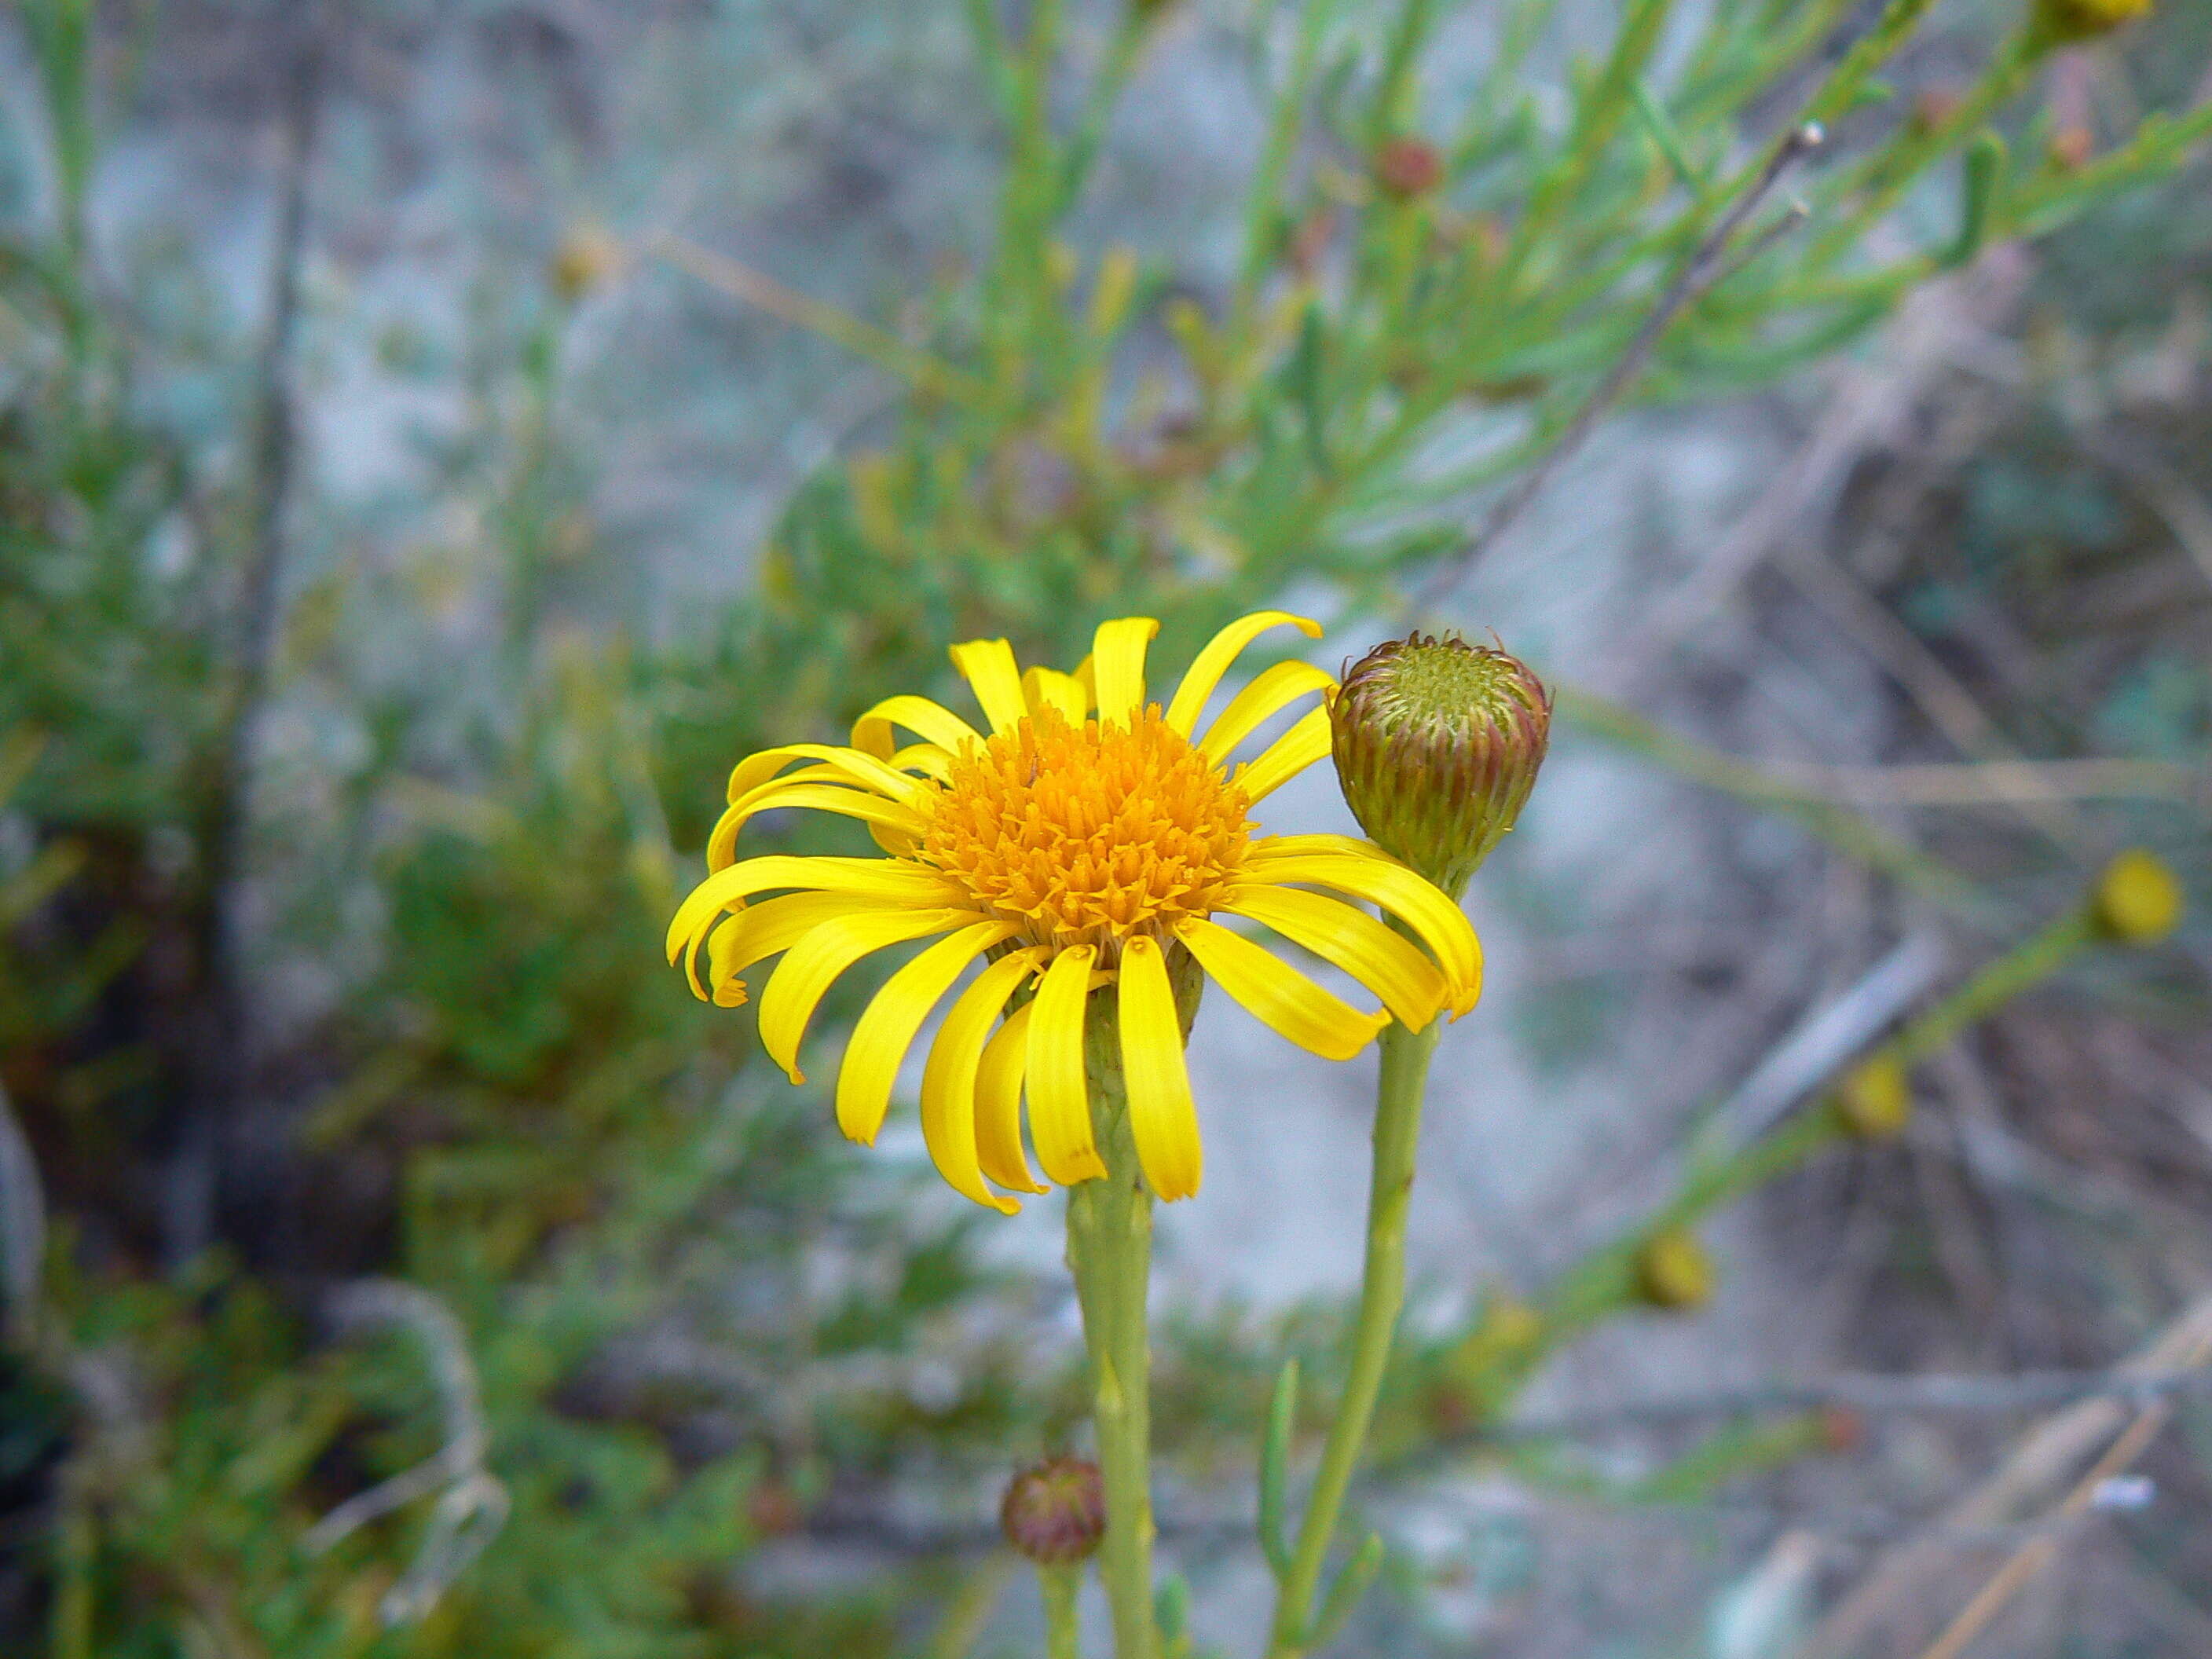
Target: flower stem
[1109, 1243]
[1060, 1586]
[1382, 1295]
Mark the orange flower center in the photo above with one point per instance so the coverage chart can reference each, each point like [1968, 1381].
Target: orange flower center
[1088, 837]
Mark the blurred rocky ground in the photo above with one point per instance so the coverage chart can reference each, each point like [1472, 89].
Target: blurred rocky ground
[1986, 536]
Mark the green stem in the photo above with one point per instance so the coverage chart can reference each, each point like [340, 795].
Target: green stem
[1381, 1294]
[1606, 1280]
[1889, 173]
[1061, 1628]
[2027, 964]
[1109, 1242]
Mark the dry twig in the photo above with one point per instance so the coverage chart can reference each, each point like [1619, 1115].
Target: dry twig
[1713, 262]
[22, 1224]
[2047, 1456]
[472, 1505]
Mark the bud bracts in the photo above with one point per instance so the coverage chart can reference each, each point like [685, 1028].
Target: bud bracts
[1055, 1512]
[1437, 742]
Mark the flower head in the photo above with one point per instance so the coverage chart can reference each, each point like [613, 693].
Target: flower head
[2080, 20]
[1672, 1270]
[587, 257]
[1437, 742]
[1055, 1512]
[2137, 900]
[1080, 849]
[1875, 1099]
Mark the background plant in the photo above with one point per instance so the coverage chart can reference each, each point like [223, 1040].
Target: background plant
[694, 1323]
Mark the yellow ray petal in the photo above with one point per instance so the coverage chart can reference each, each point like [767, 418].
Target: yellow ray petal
[1117, 657]
[1285, 758]
[729, 991]
[850, 764]
[949, 1102]
[988, 666]
[886, 1027]
[1206, 669]
[1386, 963]
[1369, 873]
[813, 797]
[1059, 1098]
[924, 757]
[884, 878]
[1278, 993]
[1286, 846]
[1161, 1114]
[722, 840]
[775, 925]
[1273, 690]
[872, 732]
[810, 966]
[1046, 687]
[999, 1105]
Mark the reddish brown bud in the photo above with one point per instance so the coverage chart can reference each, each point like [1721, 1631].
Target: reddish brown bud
[1054, 1513]
[774, 1509]
[1933, 106]
[1407, 167]
[2071, 147]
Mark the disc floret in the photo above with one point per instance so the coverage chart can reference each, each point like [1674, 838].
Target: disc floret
[1089, 834]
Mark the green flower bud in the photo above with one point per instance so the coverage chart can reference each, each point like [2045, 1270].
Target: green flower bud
[1436, 744]
[1054, 1513]
[1875, 1099]
[1672, 1270]
[2137, 899]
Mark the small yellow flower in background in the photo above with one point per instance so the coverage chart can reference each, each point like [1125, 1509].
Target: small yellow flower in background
[2138, 900]
[1875, 1099]
[1089, 839]
[2080, 20]
[587, 257]
[1672, 1270]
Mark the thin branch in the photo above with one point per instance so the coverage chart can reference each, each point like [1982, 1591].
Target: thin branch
[1820, 1045]
[217, 1062]
[2037, 1553]
[2001, 782]
[472, 1505]
[1708, 263]
[1865, 413]
[1935, 1392]
[863, 339]
[2045, 1456]
[22, 1224]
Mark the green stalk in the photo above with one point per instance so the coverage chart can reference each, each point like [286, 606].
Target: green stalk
[1109, 1244]
[1382, 1295]
[1889, 173]
[1060, 1586]
[2025, 966]
[1605, 1280]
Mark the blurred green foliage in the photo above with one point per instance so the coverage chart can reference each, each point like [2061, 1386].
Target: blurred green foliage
[694, 1320]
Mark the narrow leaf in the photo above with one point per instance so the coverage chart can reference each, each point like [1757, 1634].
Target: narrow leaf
[1274, 1468]
[1344, 1594]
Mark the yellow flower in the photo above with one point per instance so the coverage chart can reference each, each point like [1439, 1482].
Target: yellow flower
[1088, 840]
[2080, 20]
